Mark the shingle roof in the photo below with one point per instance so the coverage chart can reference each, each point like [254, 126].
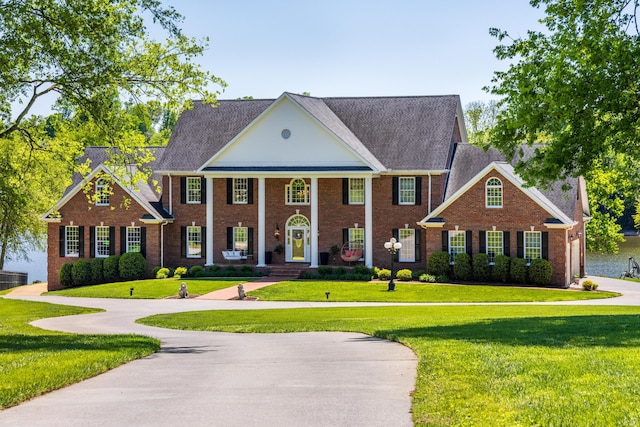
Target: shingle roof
[398, 133]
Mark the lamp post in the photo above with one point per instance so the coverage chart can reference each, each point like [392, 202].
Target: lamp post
[393, 246]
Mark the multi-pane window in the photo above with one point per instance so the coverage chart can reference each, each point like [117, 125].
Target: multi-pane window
[407, 191]
[532, 245]
[72, 240]
[240, 191]
[240, 239]
[494, 193]
[457, 243]
[102, 192]
[102, 242]
[134, 239]
[494, 244]
[194, 242]
[356, 191]
[407, 237]
[194, 190]
[297, 192]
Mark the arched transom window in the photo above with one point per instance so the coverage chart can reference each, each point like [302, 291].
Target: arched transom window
[494, 193]
[297, 192]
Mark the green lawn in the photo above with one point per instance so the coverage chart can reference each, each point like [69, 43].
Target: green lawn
[416, 292]
[34, 361]
[486, 365]
[149, 289]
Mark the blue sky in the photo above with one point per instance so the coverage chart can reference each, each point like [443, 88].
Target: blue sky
[354, 47]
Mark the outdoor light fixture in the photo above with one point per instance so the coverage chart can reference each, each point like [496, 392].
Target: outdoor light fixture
[276, 233]
[393, 246]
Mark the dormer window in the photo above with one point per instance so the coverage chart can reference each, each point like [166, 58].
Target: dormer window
[102, 192]
[493, 193]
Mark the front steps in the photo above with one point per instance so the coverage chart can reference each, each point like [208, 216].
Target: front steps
[288, 271]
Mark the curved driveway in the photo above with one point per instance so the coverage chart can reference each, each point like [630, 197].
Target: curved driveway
[220, 379]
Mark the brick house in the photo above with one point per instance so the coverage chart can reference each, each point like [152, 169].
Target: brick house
[297, 173]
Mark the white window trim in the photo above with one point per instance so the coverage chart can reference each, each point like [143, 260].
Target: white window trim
[501, 252]
[130, 241]
[352, 191]
[98, 241]
[453, 233]
[400, 191]
[67, 240]
[360, 238]
[406, 248]
[236, 191]
[192, 230]
[288, 193]
[526, 247]
[235, 241]
[493, 187]
[198, 199]
[102, 192]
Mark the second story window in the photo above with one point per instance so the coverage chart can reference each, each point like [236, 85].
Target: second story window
[102, 192]
[194, 190]
[240, 191]
[407, 191]
[356, 191]
[297, 192]
[494, 193]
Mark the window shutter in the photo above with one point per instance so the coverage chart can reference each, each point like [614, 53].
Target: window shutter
[183, 190]
[143, 241]
[203, 242]
[63, 246]
[483, 241]
[445, 241]
[229, 191]
[394, 190]
[345, 191]
[203, 190]
[468, 238]
[396, 235]
[520, 243]
[92, 242]
[345, 235]
[418, 244]
[250, 191]
[81, 241]
[183, 241]
[418, 190]
[123, 240]
[506, 243]
[250, 241]
[545, 245]
[112, 240]
[230, 238]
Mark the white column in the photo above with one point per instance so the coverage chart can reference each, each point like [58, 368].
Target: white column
[314, 223]
[209, 208]
[261, 222]
[368, 222]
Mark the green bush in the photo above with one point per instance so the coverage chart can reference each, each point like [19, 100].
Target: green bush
[442, 279]
[132, 266]
[540, 272]
[417, 274]
[154, 272]
[325, 270]
[589, 285]
[97, 270]
[438, 264]
[246, 270]
[111, 268]
[429, 278]
[518, 271]
[341, 271]
[64, 275]
[81, 273]
[362, 269]
[404, 275]
[162, 273]
[481, 267]
[213, 270]
[462, 267]
[384, 274]
[195, 270]
[500, 269]
[375, 271]
[180, 272]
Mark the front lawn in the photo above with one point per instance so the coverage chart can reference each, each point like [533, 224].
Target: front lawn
[149, 289]
[34, 361]
[485, 365]
[376, 291]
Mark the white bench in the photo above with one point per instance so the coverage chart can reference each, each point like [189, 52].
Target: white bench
[234, 255]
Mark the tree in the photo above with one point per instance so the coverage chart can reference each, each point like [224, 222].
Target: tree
[480, 118]
[572, 90]
[95, 59]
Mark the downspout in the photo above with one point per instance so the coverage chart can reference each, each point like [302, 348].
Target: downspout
[170, 196]
[162, 242]
[429, 202]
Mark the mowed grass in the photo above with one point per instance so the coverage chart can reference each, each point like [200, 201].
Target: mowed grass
[376, 291]
[34, 361]
[485, 365]
[149, 289]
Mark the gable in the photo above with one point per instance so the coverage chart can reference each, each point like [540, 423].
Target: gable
[287, 136]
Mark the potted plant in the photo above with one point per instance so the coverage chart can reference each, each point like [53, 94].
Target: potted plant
[279, 249]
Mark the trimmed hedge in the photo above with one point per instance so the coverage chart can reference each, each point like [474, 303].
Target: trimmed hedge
[81, 273]
[132, 266]
[64, 275]
[97, 270]
[462, 267]
[438, 264]
[481, 267]
[540, 272]
[500, 269]
[404, 275]
[519, 270]
[111, 268]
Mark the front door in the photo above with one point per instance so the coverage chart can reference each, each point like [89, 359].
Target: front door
[297, 249]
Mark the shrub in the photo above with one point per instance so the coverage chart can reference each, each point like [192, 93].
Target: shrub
[111, 268]
[417, 274]
[375, 271]
[195, 271]
[442, 278]
[325, 270]
[162, 273]
[540, 272]
[154, 272]
[81, 272]
[213, 270]
[180, 272]
[481, 267]
[462, 267]
[64, 275]
[341, 271]
[132, 266]
[246, 270]
[404, 275]
[97, 267]
[384, 274]
[589, 285]
[500, 269]
[429, 278]
[362, 269]
[438, 264]
[518, 270]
